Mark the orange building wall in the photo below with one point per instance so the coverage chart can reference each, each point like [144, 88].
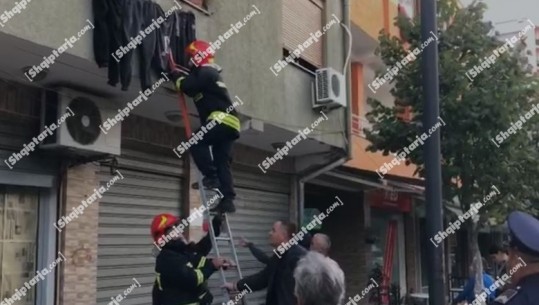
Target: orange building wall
[374, 15]
[363, 159]
[371, 16]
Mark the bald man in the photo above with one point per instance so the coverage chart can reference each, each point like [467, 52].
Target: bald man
[320, 243]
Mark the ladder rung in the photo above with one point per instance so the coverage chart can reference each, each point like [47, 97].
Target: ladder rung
[223, 238]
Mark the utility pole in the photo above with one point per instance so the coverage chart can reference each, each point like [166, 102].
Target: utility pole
[433, 183]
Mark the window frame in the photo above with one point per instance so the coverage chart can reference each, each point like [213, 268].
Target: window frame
[46, 233]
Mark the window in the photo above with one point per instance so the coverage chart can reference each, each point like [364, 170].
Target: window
[407, 7]
[18, 236]
[379, 225]
[301, 20]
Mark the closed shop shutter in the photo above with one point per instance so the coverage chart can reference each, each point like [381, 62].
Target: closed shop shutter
[300, 19]
[152, 184]
[261, 200]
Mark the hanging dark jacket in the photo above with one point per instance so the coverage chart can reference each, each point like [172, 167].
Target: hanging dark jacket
[277, 277]
[115, 20]
[179, 31]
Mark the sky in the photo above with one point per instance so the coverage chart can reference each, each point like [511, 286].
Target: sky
[505, 10]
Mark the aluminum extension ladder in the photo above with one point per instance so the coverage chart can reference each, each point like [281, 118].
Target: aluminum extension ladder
[215, 240]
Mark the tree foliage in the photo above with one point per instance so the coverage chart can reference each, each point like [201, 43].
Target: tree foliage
[475, 112]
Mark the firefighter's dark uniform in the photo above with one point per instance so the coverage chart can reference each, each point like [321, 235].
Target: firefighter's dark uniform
[205, 85]
[524, 232]
[181, 274]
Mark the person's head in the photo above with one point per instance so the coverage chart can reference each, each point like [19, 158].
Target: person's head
[523, 245]
[498, 254]
[321, 244]
[200, 52]
[319, 280]
[281, 232]
[163, 225]
[305, 242]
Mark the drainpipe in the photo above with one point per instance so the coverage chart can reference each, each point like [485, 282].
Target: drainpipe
[348, 74]
[348, 117]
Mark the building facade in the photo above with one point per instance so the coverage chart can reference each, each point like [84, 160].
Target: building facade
[525, 31]
[379, 235]
[94, 210]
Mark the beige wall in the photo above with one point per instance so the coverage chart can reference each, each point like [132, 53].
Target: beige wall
[79, 273]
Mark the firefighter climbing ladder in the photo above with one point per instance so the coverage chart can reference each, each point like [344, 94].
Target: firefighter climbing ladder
[203, 196]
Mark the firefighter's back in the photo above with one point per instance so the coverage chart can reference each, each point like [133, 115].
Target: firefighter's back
[172, 286]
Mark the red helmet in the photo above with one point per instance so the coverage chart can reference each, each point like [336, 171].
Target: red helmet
[161, 223]
[200, 52]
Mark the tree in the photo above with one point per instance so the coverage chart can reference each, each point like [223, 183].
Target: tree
[474, 112]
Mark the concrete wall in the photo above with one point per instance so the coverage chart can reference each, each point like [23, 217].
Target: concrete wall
[297, 87]
[49, 23]
[245, 57]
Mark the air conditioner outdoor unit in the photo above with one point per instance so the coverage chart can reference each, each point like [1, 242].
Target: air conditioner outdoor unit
[330, 89]
[79, 118]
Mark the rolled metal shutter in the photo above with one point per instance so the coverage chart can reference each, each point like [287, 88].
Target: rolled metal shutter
[261, 200]
[300, 19]
[152, 184]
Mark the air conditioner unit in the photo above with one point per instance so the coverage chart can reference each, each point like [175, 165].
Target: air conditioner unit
[78, 117]
[330, 89]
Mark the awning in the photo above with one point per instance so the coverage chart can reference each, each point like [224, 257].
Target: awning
[340, 179]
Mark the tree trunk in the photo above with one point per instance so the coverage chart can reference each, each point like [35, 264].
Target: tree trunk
[475, 254]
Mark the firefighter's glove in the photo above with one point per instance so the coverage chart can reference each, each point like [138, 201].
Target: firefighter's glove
[176, 75]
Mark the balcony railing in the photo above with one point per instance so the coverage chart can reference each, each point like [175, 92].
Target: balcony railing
[358, 124]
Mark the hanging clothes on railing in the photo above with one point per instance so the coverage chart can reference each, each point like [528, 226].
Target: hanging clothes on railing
[119, 22]
[178, 33]
[187, 35]
[108, 36]
[149, 43]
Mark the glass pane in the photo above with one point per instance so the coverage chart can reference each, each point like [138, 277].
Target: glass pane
[380, 225]
[18, 236]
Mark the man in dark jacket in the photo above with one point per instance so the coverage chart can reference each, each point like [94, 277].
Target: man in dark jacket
[263, 257]
[182, 268]
[278, 275]
[220, 126]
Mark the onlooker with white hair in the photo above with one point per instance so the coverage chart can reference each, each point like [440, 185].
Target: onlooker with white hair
[319, 281]
[321, 244]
